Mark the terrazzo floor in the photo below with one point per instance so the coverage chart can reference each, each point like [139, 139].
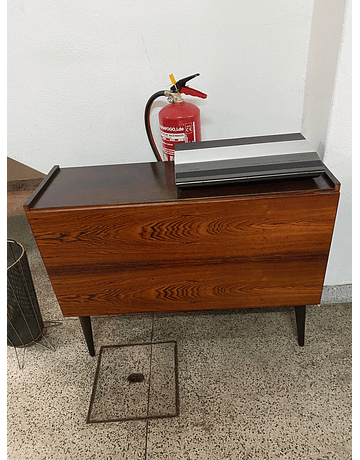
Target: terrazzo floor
[246, 389]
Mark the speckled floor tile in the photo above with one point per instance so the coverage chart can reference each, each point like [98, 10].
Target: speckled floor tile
[48, 403]
[163, 391]
[248, 391]
[120, 330]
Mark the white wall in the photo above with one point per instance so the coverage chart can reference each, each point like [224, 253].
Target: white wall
[80, 72]
[327, 117]
[338, 157]
[325, 39]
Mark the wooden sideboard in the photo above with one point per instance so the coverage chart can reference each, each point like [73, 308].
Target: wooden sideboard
[123, 239]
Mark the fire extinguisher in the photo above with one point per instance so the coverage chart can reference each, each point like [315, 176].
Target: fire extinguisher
[179, 121]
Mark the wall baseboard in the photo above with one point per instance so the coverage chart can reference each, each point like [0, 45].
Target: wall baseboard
[337, 294]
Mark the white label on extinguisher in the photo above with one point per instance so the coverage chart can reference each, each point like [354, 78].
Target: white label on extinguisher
[172, 135]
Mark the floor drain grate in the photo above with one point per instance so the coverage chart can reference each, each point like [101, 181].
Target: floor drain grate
[135, 382]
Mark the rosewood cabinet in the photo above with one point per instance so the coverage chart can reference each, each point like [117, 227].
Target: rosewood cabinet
[123, 239]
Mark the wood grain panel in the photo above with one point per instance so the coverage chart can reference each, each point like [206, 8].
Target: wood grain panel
[221, 253]
[228, 228]
[255, 284]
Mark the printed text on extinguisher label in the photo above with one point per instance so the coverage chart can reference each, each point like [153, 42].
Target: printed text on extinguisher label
[172, 135]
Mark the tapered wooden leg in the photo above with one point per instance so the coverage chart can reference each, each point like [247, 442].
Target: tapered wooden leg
[87, 330]
[300, 313]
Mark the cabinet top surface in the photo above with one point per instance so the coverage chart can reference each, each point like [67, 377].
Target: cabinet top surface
[145, 183]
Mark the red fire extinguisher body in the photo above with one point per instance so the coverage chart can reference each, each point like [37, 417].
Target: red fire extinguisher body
[179, 122]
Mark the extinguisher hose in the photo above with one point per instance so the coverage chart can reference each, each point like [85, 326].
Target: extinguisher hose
[147, 123]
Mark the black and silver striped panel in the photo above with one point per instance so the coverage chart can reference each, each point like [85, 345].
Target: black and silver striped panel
[232, 160]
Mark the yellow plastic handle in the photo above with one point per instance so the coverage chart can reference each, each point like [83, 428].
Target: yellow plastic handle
[173, 81]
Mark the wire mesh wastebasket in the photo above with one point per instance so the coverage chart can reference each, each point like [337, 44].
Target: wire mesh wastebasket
[24, 322]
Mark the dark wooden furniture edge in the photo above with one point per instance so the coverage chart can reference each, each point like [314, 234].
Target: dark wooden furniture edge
[328, 177]
[331, 176]
[41, 188]
[55, 182]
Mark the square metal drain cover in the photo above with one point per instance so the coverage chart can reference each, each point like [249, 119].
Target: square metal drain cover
[135, 382]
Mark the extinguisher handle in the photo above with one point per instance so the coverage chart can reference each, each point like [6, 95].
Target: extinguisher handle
[176, 87]
[192, 92]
